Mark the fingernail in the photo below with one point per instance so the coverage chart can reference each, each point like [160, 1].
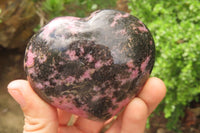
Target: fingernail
[16, 94]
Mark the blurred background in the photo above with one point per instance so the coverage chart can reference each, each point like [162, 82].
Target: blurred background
[175, 26]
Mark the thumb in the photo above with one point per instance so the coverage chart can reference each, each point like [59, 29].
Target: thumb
[39, 116]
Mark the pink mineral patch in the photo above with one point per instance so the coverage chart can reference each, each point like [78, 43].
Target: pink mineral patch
[39, 86]
[117, 17]
[101, 63]
[87, 74]
[98, 64]
[58, 81]
[133, 75]
[72, 54]
[42, 59]
[151, 42]
[30, 59]
[97, 97]
[47, 83]
[89, 57]
[31, 70]
[53, 75]
[96, 88]
[109, 92]
[82, 51]
[130, 64]
[122, 32]
[70, 79]
[142, 29]
[144, 64]
[140, 22]
[121, 104]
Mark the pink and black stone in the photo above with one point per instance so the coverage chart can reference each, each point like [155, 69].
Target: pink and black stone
[92, 66]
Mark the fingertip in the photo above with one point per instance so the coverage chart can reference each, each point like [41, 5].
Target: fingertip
[14, 89]
[153, 92]
[159, 83]
[155, 86]
[16, 84]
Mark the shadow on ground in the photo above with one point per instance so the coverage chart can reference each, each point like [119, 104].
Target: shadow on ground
[11, 68]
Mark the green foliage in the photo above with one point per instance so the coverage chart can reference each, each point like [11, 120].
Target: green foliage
[175, 28]
[53, 7]
[79, 8]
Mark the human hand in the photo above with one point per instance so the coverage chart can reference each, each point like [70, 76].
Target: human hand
[41, 117]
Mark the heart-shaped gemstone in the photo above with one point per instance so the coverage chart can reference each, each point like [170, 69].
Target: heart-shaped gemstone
[92, 66]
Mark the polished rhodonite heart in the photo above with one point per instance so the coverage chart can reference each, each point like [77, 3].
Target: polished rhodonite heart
[92, 66]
